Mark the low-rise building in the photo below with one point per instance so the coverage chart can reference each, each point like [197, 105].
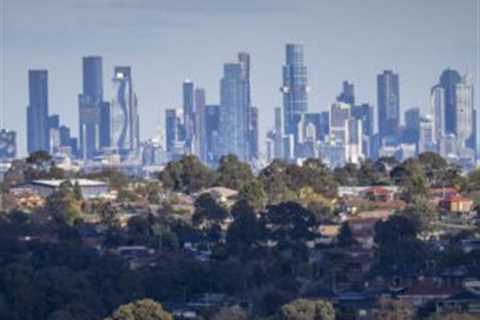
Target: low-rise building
[89, 188]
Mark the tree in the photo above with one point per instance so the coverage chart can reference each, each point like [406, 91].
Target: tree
[231, 313]
[290, 225]
[232, 173]
[253, 193]
[62, 204]
[394, 310]
[303, 309]
[345, 237]
[187, 175]
[274, 178]
[209, 215]
[454, 316]
[399, 251]
[245, 231]
[77, 192]
[145, 309]
[411, 177]
[423, 214]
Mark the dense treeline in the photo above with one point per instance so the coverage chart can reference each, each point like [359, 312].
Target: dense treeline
[47, 272]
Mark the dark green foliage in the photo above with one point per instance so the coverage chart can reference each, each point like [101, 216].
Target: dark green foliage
[187, 175]
[233, 174]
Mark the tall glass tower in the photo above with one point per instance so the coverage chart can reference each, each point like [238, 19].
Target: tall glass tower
[234, 127]
[90, 104]
[37, 111]
[388, 99]
[125, 132]
[294, 89]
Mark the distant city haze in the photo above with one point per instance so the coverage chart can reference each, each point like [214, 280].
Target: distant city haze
[166, 42]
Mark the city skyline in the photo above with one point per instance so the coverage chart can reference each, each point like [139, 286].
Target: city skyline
[335, 50]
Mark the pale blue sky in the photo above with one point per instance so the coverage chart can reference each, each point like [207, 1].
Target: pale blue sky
[168, 41]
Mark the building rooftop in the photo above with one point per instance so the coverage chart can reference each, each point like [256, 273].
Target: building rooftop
[80, 182]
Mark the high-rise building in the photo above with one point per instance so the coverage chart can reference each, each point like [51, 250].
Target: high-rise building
[464, 111]
[448, 81]
[189, 113]
[354, 141]
[364, 113]
[426, 139]
[37, 111]
[8, 144]
[253, 133]
[90, 107]
[348, 94]
[212, 127]
[172, 128]
[339, 114]
[412, 126]
[438, 108]
[200, 142]
[234, 112]
[125, 131]
[294, 89]
[388, 102]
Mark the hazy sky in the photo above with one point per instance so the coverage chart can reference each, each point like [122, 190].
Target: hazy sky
[166, 42]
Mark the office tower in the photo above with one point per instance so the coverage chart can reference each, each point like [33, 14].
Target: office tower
[54, 133]
[189, 113]
[277, 134]
[212, 127]
[348, 94]
[66, 140]
[324, 125]
[253, 133]
[388, 102]
[294, 89]
[448, 145]
[354, 141]
[412, 126]
[234, 126]
[464, 111]
[200, 137]
[90, 102]
[426, 140]
[125, 134]
[37, 111]
[339, 114]
[8, 144]
[314, 120]
[364, 113]
[448, 81]
[438, 108]
[172, 127]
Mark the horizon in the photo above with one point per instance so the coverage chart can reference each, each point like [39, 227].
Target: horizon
[189, 30]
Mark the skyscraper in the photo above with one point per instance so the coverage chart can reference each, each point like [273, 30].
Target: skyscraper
[37, 111]
[339, 114]
[125, 134]
[200, 144]
[354, 141]
[448, 81]
[294, 89]
[464, 111]
[212, 127]
[438, 109]
[189, 113]
[388, 102]
[244, 61]
[348, 93]
[253, 133]
[426, 135]
[412, 126]
[234, 112]
[90, 107]
[172, 126]
[8, 144]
